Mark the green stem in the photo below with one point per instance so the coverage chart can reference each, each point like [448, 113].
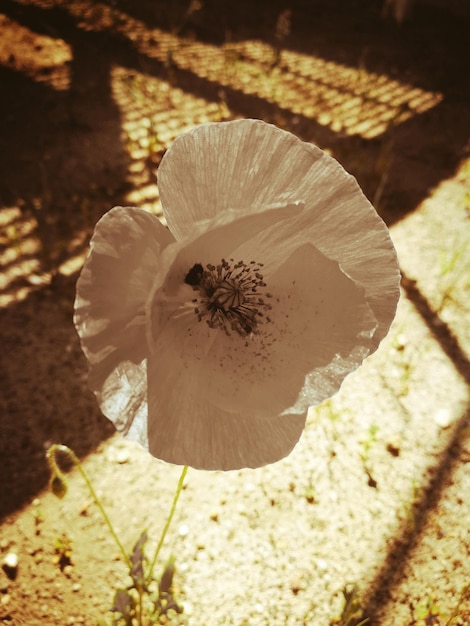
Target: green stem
[76, 461]
[168, 521]
[141, 606]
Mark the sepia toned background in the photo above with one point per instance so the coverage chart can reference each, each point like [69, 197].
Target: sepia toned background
[375, 496]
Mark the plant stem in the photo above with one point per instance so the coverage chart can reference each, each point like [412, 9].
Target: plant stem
[76, 461]
[168, 521]
[141, 606]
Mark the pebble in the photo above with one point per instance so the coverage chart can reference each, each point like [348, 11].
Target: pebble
[122, 457]
[400, 342]
[10, 564]
[444, 417]
[393, 447]
[322, 564]
[297, 584]
[38, 557]
[118, 455]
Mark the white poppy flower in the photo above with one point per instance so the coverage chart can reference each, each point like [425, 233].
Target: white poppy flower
[209, 340]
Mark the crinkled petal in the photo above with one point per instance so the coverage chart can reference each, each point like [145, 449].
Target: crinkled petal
[348, 229]
[319, 316]
[112, 291]
[246, 165]
[185, 429]
[221, 238]
[216, 167]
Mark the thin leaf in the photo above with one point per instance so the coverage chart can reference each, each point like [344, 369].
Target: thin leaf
[122, 602]
[137, 560]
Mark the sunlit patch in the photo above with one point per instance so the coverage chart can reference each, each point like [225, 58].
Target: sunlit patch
[350, 100]
[43, 59]
[21, 254]
[347, 99]
[153, 113]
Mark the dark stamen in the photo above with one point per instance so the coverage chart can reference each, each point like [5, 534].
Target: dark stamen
[229, 296]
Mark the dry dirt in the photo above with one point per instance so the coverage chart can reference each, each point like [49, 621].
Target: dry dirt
[376, 494]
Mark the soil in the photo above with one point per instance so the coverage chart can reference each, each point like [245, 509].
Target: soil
[374, 500]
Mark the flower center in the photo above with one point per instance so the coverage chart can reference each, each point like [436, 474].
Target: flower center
[231, 295]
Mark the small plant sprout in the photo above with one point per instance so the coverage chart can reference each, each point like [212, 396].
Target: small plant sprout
[427, 613]
[352, 613]
[38, 517]
[409, 505]
[145, 596]
[367, 444]
[466, 202]
[452, 268]
[330, 410]
[457, 618]
[405, 365]
[369, 441]
[311, 493]
[145, 599]
[63, 551]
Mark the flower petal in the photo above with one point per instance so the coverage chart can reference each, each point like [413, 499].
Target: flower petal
[247, 165]
[347, 228]
[218, 394]
[185, 429]
[238, 165]
[218, 239]
[110, 309]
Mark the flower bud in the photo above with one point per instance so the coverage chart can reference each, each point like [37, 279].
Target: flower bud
[59, 486]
